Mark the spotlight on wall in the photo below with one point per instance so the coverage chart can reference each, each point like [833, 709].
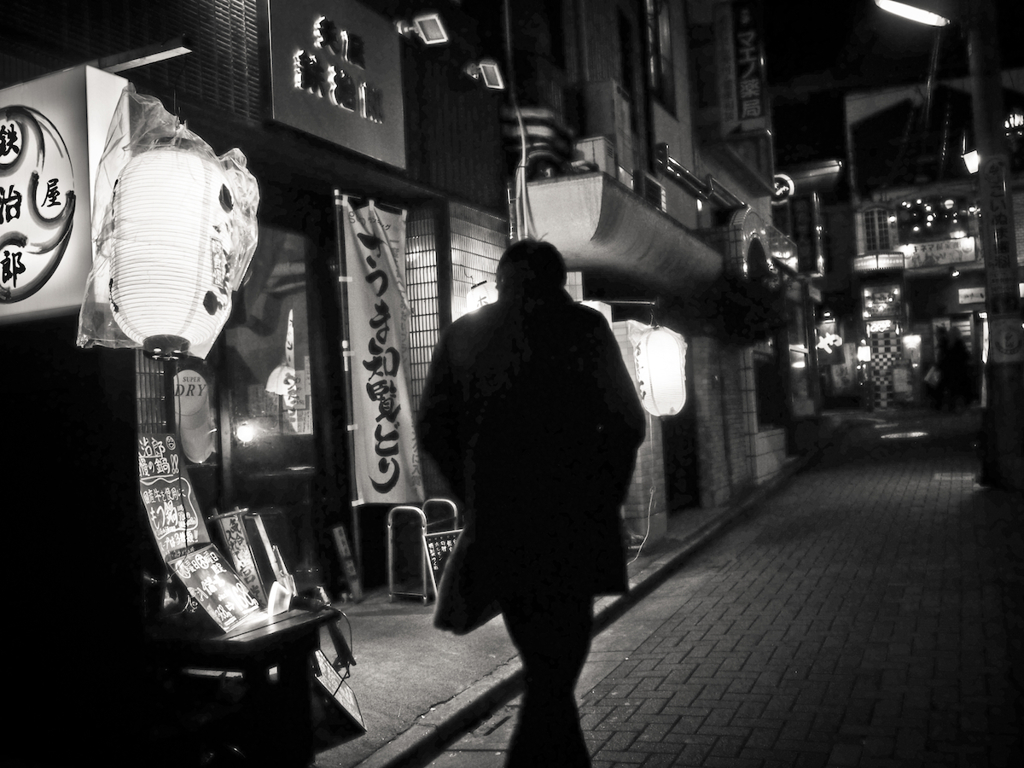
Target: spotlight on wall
[488, 72]
[428, 27]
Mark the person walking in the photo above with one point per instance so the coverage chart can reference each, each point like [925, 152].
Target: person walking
[958, 367]
[531, 417]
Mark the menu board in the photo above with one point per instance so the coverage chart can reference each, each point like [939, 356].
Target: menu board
[337, 690]
[236, 539]
[439, 548]
[168, 497]
[215, 586]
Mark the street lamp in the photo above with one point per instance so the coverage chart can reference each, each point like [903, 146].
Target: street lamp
[1003, 464]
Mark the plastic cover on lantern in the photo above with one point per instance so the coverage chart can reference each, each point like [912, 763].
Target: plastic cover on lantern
[659, 359]
[141, 124]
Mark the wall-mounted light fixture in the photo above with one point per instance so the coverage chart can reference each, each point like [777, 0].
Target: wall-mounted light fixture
[141, 57]
[487, 72]
[428, 27]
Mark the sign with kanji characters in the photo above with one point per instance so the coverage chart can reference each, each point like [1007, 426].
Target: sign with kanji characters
[386, 458]
[1001, 270]
[439, 549]
[212, 582]
[52, 135]
[168, 497]
[336, 73]
[742, 90]
[939, 253]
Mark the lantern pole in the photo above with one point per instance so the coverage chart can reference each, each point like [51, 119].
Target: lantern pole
[350, 423]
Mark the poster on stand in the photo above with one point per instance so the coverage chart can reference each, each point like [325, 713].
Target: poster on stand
[212, 582]
[386, 457]
[168, 497]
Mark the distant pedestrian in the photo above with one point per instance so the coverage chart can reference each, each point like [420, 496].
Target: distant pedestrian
[939, 389]
[531, 416]
[957, 372]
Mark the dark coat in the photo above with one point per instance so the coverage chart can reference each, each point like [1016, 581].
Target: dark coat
[531, 416]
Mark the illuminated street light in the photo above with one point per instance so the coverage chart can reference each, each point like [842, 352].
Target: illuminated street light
[913, 12]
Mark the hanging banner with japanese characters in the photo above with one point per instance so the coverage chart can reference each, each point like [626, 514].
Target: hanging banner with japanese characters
[742, 91]
[167, 496]
[386, 458]
[52, 132]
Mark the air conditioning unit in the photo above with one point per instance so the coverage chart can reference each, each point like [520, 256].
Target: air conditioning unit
[598, 151]
[650, 189]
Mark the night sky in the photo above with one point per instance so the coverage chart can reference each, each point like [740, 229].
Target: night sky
[818, 49]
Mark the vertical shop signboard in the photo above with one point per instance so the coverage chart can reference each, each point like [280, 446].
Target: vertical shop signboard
[1001, 271]
[386, 456]
[743, 95]
[168, 497]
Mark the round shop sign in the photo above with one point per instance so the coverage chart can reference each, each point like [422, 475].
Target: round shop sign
[784, 188]
[37, 201]
[1007, 340]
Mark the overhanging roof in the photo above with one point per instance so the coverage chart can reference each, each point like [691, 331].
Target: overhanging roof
[602, 227]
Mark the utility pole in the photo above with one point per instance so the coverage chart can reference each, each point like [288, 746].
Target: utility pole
[1003, 433]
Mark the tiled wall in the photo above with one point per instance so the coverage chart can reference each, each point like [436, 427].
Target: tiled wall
[723, 390]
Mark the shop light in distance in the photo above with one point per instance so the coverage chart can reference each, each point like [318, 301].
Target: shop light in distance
[488, 72]
[428, 27]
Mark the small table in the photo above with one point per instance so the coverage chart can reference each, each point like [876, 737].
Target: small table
[268, 660]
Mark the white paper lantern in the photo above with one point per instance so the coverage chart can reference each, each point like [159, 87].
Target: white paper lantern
[480, 295]
[659, 357]
[170, 288]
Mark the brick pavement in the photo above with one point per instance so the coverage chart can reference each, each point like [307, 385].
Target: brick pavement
[866, 614]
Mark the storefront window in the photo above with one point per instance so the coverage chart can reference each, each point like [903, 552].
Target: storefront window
[882, 301]
[265, 389]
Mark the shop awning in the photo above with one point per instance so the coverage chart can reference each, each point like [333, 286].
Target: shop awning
[603, 227]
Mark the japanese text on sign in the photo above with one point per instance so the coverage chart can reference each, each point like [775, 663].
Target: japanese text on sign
[329, 73]
[35, 208]
[387, 462]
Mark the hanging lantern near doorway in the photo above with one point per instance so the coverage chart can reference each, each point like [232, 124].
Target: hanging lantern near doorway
[174, 230]
[659, 359]
[169, 287]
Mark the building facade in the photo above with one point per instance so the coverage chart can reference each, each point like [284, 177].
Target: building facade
[635, 136]
[919, 265]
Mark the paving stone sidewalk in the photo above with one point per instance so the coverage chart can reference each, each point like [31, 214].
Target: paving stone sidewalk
[866, 614]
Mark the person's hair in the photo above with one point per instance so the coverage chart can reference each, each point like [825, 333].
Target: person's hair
[530, 268]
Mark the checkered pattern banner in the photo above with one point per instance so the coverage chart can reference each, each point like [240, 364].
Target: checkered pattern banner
[885, 352]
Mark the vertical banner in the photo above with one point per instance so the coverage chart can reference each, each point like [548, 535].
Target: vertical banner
[386, 458]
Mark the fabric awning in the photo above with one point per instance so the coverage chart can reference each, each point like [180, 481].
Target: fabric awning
[603, 227]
